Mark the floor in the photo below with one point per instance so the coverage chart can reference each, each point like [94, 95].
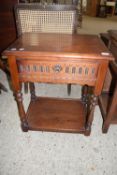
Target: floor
[94, 25]
[44, 153]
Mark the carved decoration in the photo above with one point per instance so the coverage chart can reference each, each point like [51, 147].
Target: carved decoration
[50, 71]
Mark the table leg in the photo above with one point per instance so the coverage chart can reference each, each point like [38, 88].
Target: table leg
[85, 94]
[92, 102]
[32, 91]
[105, 127]
[19, 99]
[111, 111]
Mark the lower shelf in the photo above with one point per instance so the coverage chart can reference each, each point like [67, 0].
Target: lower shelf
[53, 114]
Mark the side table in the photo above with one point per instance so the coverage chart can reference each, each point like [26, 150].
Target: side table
[58, 58]
[108, 102]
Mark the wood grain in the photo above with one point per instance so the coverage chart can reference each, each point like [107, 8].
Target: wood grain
[53, 114]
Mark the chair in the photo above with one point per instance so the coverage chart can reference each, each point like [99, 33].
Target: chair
[77, 3]
[111, 4]
[43, 18]
[46, 18]
[108, 99]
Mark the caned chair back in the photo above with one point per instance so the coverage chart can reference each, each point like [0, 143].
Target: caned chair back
[46, 18]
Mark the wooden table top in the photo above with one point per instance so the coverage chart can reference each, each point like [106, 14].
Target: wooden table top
[67, 45]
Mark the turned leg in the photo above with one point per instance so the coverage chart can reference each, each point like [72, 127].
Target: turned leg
[92, 102]
[19, 99]
[85, 94]
[32, 91]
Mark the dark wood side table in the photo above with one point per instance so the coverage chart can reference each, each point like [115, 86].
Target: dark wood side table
[108, 101]
[58, 58]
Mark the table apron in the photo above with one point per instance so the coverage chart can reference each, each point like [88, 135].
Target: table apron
[78, 72]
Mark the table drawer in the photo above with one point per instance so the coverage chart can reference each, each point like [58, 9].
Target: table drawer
[58, 72]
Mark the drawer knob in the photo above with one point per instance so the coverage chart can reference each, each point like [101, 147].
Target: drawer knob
[57, 68]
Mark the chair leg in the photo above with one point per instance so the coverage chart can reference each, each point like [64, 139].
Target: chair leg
[69, 89]
[26, 87]
[4, 68]
[3, 88]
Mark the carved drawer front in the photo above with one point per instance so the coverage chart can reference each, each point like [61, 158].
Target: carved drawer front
[58, 72]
